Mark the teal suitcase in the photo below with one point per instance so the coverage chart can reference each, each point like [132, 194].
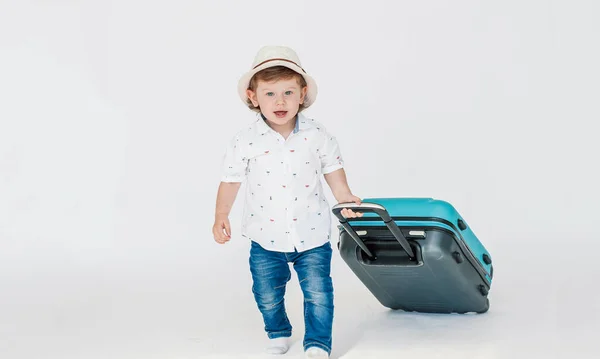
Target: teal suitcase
[416, 254]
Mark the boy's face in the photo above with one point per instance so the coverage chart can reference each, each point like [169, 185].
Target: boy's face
[279, 100]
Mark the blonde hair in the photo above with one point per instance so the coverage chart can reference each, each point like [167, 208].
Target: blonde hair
[271, 74]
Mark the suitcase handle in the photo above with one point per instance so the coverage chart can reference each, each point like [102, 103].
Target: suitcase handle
[381, 212]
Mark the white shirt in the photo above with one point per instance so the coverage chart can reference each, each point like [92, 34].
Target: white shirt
[285, 207]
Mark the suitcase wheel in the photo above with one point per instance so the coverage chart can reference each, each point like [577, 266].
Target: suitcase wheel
[486, 308]
[457, 257]
[487, 259]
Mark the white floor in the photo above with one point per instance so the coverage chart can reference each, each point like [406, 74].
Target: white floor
[546, 308]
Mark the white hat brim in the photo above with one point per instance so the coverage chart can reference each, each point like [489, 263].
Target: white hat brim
[311, 93]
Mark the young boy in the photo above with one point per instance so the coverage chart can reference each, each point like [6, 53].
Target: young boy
[286, 215]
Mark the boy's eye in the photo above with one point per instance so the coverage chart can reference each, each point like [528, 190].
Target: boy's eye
[288, 93]
[270, 94]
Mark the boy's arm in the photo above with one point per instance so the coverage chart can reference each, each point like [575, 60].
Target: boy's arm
[225, 198]
[341, 191]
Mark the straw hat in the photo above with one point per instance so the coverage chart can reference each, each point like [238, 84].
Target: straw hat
[270, 56]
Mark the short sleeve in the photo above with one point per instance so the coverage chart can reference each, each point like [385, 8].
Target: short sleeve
[331, 156]
[234, 162]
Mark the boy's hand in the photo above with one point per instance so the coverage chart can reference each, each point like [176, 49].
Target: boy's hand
[221, 229]
[348, 213]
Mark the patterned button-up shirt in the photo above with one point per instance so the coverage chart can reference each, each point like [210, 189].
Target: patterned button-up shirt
[285, 207]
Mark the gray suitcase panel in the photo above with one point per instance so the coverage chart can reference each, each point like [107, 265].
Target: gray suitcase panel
[438, 280]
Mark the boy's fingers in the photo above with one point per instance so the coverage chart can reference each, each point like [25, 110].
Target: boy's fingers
[357, 214]
[344, 212]
[222, 235]
[227, 228]
[348, 213]
[219, 235]
[225, 236]
[222, 239]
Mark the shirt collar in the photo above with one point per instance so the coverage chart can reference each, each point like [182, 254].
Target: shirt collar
[302, 123]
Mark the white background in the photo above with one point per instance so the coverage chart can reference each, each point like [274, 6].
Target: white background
[114, 116]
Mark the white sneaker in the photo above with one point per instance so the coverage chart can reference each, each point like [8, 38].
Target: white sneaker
[316, 353]
[278, 345]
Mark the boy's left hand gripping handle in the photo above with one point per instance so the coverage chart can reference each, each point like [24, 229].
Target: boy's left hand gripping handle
[379, 210]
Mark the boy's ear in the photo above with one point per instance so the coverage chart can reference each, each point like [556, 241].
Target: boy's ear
[303, 94]
[252, 96]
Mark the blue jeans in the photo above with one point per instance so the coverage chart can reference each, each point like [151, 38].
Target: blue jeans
[270, 273]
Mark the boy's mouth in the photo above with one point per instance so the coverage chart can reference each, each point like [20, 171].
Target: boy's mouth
[280, 114]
